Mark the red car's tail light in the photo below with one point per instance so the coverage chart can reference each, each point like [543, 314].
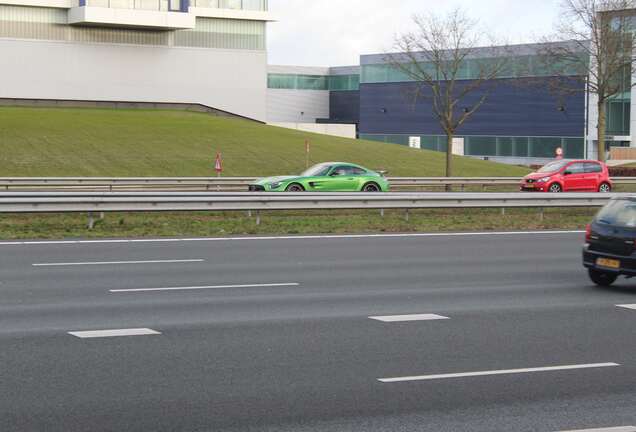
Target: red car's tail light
[588, 232]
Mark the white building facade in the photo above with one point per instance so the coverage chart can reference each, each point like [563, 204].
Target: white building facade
[208, 52]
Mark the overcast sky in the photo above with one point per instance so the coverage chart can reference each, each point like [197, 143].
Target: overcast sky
[336, 32]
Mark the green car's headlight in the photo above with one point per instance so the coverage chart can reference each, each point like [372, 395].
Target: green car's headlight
[275, 185]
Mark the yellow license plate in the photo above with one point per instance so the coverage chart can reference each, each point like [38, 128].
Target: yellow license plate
[608, 263]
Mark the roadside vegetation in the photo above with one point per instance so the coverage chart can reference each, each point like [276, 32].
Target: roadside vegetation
[58, 226]
[138, 143]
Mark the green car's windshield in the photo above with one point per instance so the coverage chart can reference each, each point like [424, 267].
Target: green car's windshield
[317, 171]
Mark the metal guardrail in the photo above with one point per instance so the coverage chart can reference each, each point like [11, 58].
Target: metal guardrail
[101, 202]
[40, 202]
[233, 183]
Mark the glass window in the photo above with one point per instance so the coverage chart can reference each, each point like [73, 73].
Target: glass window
[317, 171]
[575, 168]
[544, 147]
[481, 146]
[553, 167]
[505, 146]
[593, 168]
[618, 212]
[574, 148]
[358, 171]
[342, 170]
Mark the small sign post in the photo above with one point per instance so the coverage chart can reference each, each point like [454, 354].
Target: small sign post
[307, 153]
[559, 153]
[218, 167]
[415, 142]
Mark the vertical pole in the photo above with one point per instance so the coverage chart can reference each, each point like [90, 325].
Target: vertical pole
[407, 215]
[249, 213]
[101, 215]
[381, 212]
[503, 211]
[218, 185]
[541, 214]
[258, 217]
[91, 221]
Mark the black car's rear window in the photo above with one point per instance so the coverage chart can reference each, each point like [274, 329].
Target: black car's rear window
[620, 213]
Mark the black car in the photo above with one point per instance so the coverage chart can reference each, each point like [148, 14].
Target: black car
[609, 251]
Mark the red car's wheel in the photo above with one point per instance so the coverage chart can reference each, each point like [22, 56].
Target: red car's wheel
[555, 188]
[605, 188]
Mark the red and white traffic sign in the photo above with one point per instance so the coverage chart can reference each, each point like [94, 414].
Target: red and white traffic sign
[559, 153]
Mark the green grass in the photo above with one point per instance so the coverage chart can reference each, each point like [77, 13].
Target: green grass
[103, 142]
[58, 226]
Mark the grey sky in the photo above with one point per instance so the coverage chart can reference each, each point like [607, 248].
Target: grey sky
[335, 33]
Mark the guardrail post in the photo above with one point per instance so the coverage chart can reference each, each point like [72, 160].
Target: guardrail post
[541, 214]
[382, 213]
[407, 215]
[101, 215]
[258, 217]
[503, 211]
[91, 221]
[249, 213]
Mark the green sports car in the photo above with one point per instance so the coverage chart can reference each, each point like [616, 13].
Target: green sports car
[326, 177]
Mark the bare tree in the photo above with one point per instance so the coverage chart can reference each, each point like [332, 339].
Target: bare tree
[439, 56]
[598, 38]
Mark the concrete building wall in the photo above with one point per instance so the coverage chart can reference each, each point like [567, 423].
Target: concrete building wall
[297, 106]
[229, 80]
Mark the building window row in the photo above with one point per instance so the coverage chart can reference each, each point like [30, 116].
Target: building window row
[490, 146]
[20, 22]
[512, 67]
[313, 82]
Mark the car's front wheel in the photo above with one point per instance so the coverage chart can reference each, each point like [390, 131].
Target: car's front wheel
[371, 187]
[294, 187]
[555, 188]
[602, 278]
[605, 188]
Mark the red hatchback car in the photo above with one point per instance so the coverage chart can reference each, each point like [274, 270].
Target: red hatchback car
[569, 176]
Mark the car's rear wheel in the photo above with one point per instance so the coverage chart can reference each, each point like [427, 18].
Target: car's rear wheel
[602, 278]
[555, 188]
[295, 187]
[371, 187]
[605, 188]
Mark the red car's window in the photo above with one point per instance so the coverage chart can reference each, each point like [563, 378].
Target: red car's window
[576, 168]
[593, 168]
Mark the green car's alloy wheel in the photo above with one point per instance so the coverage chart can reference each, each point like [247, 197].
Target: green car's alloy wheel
[371, 187]
[294, 188]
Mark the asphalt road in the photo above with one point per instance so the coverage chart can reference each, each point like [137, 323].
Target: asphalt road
[275, 335]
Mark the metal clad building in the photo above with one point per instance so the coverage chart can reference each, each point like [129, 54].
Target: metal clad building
[209, 52]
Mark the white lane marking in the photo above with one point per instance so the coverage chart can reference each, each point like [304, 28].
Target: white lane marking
[611, 429]
[496, 372]
[408, 318]
[114, 333]
[210, 287]
[115, 263]
[627, 306]
[307, 237]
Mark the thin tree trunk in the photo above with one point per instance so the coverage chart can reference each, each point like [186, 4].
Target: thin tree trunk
[449, 158]
[601, 131]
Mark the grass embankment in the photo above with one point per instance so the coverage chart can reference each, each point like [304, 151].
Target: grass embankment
[123, 143]
[113, 143]
[56, 226]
